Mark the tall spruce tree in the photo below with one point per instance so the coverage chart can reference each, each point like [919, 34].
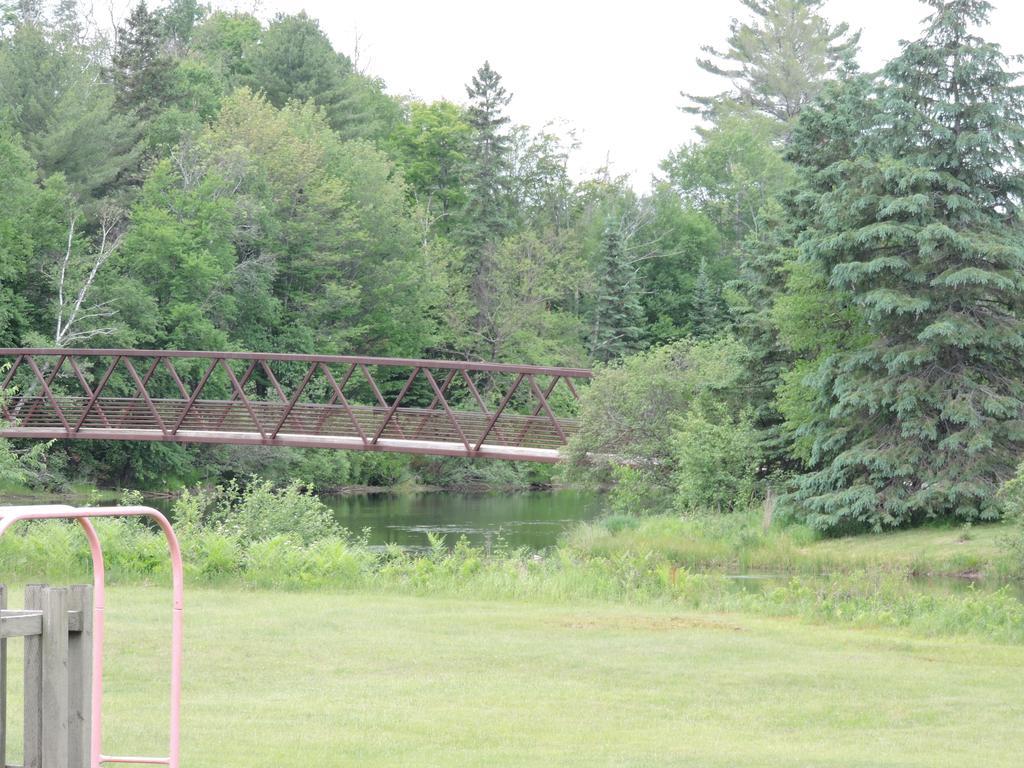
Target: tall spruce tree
[706, 316]
[826, 131]
[294, 60]
[140, 67]
[922, 230]
[487, 215]
[618, 315]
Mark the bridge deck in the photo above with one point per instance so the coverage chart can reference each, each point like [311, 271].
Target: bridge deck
[522, 425]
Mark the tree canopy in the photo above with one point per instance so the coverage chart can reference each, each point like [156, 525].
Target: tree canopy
[822, 292]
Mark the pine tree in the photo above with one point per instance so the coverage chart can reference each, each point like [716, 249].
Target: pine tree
[294, 60]
[53, 94]
[140, 69]
[618, 315]
[706, 315]
[780, 60]
[922, 230]
[825, 132]
[487, 215]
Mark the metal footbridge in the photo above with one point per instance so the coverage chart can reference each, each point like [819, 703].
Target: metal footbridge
[429, 407]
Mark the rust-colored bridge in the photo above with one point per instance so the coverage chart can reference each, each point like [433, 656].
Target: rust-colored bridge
[433, 407]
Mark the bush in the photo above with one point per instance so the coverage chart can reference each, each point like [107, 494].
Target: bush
[383, 470]
[1011, 499]
[261, 512]
[716, 458]
[637, 491]
[631, 411]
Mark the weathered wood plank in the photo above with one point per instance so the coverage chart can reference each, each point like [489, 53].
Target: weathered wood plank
[27, 623]
[21, 624]
[80, 677]
[55, 678]
[33, 727]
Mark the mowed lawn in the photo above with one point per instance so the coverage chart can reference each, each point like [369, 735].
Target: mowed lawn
[300, 680]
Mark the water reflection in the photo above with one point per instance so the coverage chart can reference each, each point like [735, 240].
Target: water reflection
[529, 519]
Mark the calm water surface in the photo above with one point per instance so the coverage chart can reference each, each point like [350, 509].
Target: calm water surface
[532, 519]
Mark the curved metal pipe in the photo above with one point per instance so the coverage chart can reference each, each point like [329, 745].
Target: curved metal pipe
[11, 515]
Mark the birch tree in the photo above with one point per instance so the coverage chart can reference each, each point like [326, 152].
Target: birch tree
[80, 316]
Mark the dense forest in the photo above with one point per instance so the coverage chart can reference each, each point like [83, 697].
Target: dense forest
[822, 294]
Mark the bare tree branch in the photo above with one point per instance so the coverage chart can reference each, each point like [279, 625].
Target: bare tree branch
[72, 312]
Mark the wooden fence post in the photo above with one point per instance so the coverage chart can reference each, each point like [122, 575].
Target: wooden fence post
[58, 632]
[80, 679]
[55, 678]
[33, 725]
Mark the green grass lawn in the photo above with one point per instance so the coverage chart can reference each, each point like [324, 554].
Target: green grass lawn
[314, 679]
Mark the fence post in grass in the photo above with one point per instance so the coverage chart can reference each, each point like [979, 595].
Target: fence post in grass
[55, 678]
[80, 652]
[33, 725]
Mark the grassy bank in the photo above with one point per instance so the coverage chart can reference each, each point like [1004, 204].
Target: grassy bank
[865, 599]
[298, 679]
[738, 543]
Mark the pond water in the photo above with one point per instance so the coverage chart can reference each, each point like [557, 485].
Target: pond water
[533, 519]
[519, 519]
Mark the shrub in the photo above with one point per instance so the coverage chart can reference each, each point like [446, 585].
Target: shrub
[630, 412]
[716, 457]
[379, 469]
[262, 512]
[1011, 499]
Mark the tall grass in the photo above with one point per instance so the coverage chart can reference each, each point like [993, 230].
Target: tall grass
[737, 542]
[136, 554]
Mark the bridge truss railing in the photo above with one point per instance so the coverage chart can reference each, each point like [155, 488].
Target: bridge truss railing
[363, 403]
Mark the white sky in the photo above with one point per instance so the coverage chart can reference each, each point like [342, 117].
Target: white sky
[611, 70]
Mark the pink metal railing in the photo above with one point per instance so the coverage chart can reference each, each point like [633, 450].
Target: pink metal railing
[11, 515]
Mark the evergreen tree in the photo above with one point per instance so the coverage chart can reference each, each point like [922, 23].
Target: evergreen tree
[67, 25]
[706, 319]
[618, 314]
[487, 208]
[294, 60]
[139, 67]
[769, 289]
[922, 231]
[53, 96]
[779, 61]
